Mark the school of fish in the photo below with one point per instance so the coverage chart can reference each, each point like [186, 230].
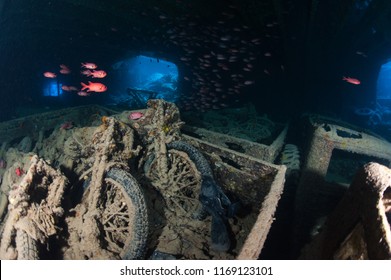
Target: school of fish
[222, 60]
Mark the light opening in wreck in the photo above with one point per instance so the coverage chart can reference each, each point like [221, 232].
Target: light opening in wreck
[52, 88]
[383, 91]
[142, 77]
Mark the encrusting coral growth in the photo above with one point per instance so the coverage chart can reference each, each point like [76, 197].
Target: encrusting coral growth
[211, 196]
[38, 218]
[242, 123]
[111, 148]
[137, 189]
[182, 174]
[171, 173]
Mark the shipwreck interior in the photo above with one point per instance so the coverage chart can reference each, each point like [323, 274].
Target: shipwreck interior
[267, 117]
[295, 51]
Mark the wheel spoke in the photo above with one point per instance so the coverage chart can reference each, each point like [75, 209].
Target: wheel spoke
[182, 190]
[116, 217]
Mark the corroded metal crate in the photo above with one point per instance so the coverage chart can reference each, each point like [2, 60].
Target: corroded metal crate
[267, 152]
[241, 129]
[335, 151]
[31, 125]
[360, 226]
[257, 183]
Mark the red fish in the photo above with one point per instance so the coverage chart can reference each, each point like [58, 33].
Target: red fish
[83, 93]
[353, 81]
[66, 125]
[65, 88]
[89, 65]
[135, 115]
[69, 88]
[65, 71]
[86, 72]
[95, 73]
[50, 75]
[72, 88]
[97, 87]
[19, 171]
